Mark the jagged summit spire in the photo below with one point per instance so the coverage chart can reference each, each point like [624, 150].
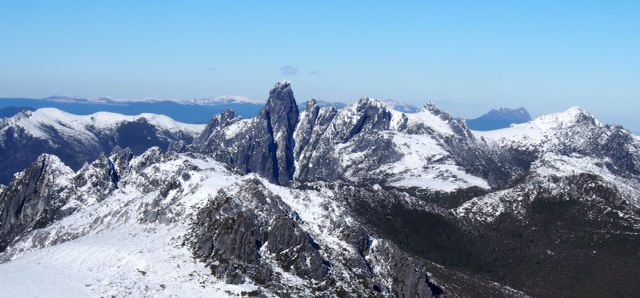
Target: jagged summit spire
[263, 145]
[281, 107]
[281, 87]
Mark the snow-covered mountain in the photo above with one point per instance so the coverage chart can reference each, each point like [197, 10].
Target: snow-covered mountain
[79, 139]
[353, 202]
[136, 234]
[577, 158]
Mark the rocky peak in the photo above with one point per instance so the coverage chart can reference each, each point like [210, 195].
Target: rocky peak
[32, 199]
[459, 126]
[433, 109]
[262, 145]
[372, 115]
[281, 115]
[281, 109]
[99, 178]
[572, 117]
[580, 115]
[219, 121]
[306, 125]
[312, 106]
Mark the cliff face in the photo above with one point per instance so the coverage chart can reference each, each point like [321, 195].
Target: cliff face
[262, 145]
[33, 199]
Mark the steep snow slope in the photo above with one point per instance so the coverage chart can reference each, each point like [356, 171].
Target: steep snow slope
[130, 243]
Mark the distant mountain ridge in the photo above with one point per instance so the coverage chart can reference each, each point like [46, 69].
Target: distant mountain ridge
[499, 118]
[194, 111]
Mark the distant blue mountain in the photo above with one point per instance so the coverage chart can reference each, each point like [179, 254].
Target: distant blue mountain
[500, 118]
[194, 111]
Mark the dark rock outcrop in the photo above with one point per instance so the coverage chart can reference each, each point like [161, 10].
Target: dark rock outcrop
[33, 199]
[250, 233]
[235, 232]
[263, 145]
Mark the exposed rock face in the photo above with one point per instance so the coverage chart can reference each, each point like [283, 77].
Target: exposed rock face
[252, 234]
[324, 137]
[213, 131]
[102, 177]
[263, 145]
[39, 195]
[33, 198]
[233, 233]
[281, 116]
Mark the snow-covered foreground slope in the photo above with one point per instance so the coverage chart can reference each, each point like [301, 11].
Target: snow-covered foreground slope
[125, 261]
[113, 247]
[140, 238]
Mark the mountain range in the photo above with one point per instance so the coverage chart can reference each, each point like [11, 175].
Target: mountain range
[362, 201]
[199, 111]
[196, 111]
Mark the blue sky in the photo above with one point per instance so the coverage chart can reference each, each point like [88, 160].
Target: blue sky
[466, 56]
